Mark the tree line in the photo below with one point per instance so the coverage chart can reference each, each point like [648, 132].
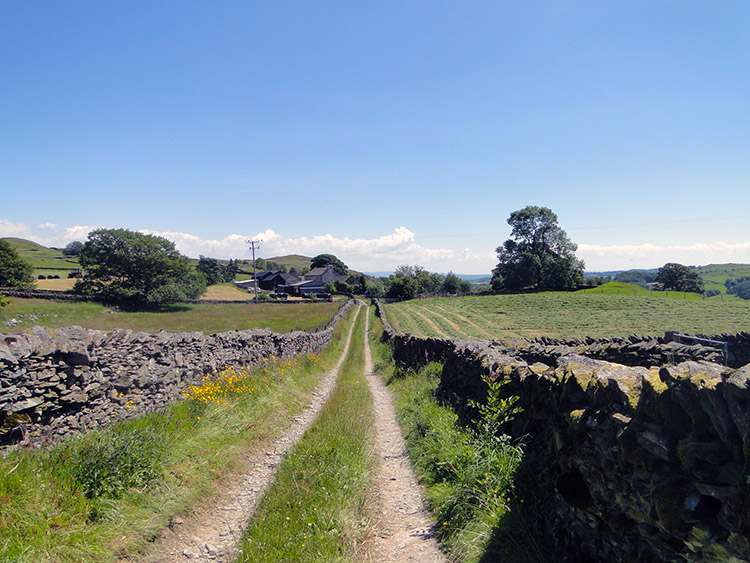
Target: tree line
[140, 271]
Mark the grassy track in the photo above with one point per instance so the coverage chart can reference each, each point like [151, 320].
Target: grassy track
[316, 509]
[565, 315]
[204, 317]
[45, 515]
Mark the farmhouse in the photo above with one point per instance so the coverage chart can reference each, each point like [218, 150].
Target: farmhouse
[326, 274]
[314, 281]
[311, 283]
[277, 279]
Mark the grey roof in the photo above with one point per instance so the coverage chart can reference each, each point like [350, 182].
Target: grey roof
[325, 274]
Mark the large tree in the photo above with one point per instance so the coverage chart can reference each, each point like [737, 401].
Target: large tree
[136, 270]
[73, 249]
[215, 272]
[676, 277]
[402, 288]
[322, 260]
[14, 270]
[539, 256]
[451, 283]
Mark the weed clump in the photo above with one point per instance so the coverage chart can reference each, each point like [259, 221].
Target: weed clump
[106, 463]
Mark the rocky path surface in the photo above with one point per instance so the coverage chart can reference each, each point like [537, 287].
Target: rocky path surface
[404, 525]
[214, 532]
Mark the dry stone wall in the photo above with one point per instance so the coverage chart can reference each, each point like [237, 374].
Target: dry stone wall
[57, 382]
[648, 461]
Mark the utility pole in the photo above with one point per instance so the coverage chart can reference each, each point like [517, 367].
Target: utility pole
[253, 246]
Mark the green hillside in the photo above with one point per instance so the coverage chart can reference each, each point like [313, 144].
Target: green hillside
[45, 261]
[714, 275]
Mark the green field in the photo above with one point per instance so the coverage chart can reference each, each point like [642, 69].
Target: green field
[46, 261]
[714, 275]
[203, 317]
[607, 312]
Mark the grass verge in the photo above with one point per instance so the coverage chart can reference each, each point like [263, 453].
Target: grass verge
[316, 509]
[468, 472]
[108, 493]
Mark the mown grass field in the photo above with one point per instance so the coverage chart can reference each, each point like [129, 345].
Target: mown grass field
[220, 292]
[608, 312]
[205, 317]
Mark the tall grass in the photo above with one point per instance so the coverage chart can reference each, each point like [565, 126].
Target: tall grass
[109, 493]
[316, 510]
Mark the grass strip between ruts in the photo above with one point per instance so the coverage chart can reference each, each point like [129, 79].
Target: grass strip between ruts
[316, 510]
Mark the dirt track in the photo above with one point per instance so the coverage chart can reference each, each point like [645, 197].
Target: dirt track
[213, 532]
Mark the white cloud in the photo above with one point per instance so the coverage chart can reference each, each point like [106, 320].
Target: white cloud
[374, 254]
[47, 234]
[649, 255]
[398, 247]
[10, 229]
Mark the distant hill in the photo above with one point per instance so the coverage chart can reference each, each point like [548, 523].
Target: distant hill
[45, 261]
[296, 261]
[714, 275]
[476, 278]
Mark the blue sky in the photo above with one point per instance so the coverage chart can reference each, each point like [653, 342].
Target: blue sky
[382, 132]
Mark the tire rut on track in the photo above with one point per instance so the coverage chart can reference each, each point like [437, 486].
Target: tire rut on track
[213, 533]
[404, 525]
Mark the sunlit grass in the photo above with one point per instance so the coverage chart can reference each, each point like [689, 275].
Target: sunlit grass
[203, 317]
[316, 509]
[579, 314]
[59, 505]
